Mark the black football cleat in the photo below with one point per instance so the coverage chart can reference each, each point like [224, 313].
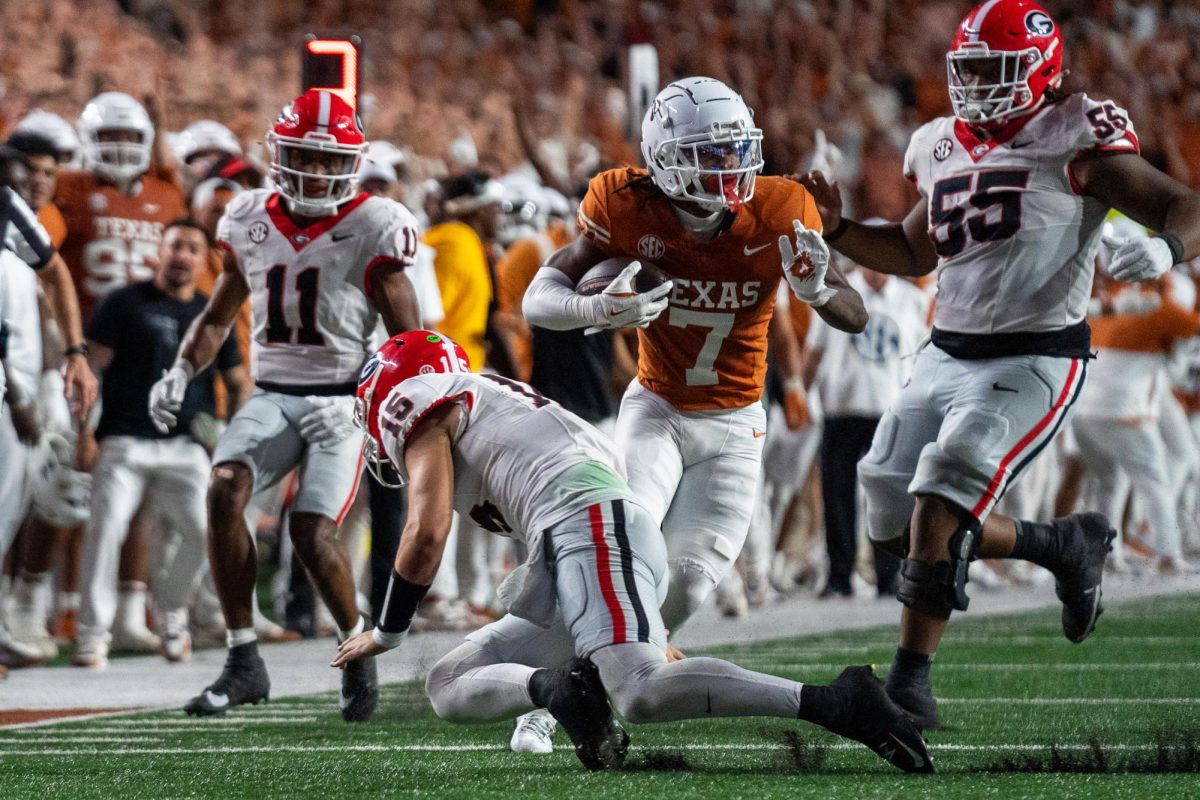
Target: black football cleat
[869, 716]
[916, 700]
[578, 701]
[1085, 541]
[243, 680]
[360, 690]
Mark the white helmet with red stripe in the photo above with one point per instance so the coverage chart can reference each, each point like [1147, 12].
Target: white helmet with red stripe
[316, 146]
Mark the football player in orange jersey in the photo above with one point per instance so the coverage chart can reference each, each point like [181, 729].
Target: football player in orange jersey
[691, 426]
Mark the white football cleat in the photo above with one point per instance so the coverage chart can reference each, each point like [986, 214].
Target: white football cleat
[90, 653]
[534, 733]
[176, 640]
[27, 622]
[135, 640]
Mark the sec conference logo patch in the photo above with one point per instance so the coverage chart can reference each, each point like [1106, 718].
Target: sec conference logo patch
[651, 247]
[941, 150]
[258, 232]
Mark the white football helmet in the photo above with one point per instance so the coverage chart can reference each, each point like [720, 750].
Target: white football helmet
[700, 144]
[117, 161]
[205, 135]
[53, 127]
[62, 495]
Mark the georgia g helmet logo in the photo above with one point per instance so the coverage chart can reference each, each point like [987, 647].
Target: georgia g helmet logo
[1039, 24]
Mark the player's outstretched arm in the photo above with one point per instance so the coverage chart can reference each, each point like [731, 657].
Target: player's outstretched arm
[208, 331]
[430, 466]
[897, 248]
[1128, 183]
[395, 298]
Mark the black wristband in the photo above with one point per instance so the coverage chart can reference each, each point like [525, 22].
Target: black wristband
[1175, 244]
[77, 350]
[843, 223]
[399, 604]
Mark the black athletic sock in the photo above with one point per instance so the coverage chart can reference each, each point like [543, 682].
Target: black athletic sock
[910, 667]
[244, 653]
[539, 687]
[820, 705]
[1036, 542]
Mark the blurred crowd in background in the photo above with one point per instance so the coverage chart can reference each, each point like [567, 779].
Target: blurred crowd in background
[486, 120]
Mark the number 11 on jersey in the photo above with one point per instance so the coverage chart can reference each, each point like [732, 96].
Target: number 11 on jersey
[303, 298]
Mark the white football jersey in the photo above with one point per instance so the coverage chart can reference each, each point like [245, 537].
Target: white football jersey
[511, 446]
[1015, 239]
[311, 320]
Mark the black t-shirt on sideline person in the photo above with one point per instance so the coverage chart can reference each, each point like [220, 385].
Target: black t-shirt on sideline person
[143, 327]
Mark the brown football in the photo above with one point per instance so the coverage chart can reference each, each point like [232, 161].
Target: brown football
[597, 279]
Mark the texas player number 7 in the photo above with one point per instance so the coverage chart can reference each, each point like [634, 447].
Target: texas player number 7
[702, 373]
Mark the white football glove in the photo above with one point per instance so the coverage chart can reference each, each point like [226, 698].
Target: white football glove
[166, 396]
[330, 421]
[1138, 259]
[805, 267]
[619, 306]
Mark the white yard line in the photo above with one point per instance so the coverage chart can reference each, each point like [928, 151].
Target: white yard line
[473, 748]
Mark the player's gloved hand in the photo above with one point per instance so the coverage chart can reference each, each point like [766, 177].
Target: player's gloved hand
[795, 404]
[806, 266]
[166, 396]
[620, 306]
[1138, 259]
[330, 421]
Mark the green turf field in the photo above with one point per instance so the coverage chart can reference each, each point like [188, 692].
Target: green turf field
[1010, 687]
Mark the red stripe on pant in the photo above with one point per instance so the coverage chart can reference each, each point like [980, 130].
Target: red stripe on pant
[358, 471]
[604, 571]
[989, 496]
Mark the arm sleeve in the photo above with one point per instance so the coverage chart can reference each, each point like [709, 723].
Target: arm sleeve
[551, 302]
[25, 236]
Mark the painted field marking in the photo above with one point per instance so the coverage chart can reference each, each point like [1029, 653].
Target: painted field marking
[474, 748]
[1089, 666]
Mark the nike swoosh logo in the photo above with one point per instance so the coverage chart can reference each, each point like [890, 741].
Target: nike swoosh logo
[1019, 145]
[996, 387]
[337, 237]
[752, 250]
[918, 760]
[216, 700]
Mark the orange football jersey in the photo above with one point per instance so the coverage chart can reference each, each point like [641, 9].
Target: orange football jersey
[514, 273]
[1152, 332]
[52, 220]
[112, 239]
[708, 350]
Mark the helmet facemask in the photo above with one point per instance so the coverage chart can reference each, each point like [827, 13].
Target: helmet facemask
[716, 170]
[119, 159]
[988, 88]
[310, 192]
[373, 453]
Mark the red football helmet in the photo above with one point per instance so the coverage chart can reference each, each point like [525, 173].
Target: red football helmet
[1006, 54]
[316, 146]
[401, 357]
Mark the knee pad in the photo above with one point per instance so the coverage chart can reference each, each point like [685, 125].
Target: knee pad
[939, 588]
[689, 586]
[889, 505]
